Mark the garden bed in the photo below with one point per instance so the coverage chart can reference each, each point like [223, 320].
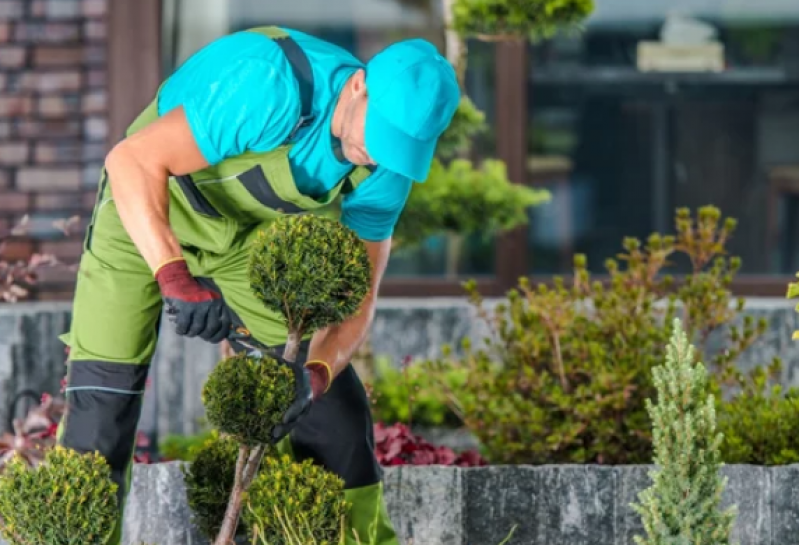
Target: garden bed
[549, 505]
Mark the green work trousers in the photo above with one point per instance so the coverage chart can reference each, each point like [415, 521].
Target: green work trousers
[116, 319]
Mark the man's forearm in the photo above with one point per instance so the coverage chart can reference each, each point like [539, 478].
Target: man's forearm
[337, 344]
[142, 201]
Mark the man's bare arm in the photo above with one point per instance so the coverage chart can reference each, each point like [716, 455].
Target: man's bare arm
[336, 345]
[138, 171]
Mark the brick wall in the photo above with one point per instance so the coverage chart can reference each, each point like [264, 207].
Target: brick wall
[53, 125]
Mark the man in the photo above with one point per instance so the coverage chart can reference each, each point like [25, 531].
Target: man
[257, 124]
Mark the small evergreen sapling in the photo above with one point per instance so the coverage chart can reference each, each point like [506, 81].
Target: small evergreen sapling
[315, 273]
[67, 499]
[683, 503]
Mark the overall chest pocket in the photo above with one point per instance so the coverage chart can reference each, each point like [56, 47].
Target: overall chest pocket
[250, 191]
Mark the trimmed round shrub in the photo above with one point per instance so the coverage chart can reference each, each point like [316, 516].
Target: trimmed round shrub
[295, 502]
[246, 397]
[68, 499]
[209, 479]
[311, 269]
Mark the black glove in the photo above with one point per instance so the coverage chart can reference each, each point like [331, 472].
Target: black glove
[195, 310]
[310, 382]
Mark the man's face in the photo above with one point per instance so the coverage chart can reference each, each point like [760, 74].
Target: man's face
[352, 128]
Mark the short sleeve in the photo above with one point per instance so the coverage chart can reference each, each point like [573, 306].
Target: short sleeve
[374, 208]
[251, 105]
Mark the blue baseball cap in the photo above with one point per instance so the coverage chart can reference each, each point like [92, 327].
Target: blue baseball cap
[413, 94]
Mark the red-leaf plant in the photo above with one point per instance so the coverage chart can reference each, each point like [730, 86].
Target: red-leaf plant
[396, 445]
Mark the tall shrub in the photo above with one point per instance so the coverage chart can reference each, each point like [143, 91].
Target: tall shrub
[564, 374]
[683, 503]
[315, 273]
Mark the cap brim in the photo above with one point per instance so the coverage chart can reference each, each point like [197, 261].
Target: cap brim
[396, 151]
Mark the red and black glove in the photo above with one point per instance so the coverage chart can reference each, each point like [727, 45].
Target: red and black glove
[195, 310]
[310, 381]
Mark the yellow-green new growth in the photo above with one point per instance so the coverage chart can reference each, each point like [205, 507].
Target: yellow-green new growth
[68, 499]
[682, 505]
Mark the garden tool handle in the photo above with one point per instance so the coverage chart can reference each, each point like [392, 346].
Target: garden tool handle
[243, 336]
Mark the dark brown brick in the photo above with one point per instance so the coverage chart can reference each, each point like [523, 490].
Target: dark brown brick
[12, 56]
[39, 33]
[11, 10]
[46, 56]
[3, 81]
[64, 250]
[43, 179]
[57, 152]
[54, 128]
[17, 249]
[49, 82]
[95, 78]
[5, 32]
[15, 105]
[89, 199]
[5, 179]
[13, 201]
[60, 275]
[6, 129]
[95, 8]
[14, 153]
[94, 29]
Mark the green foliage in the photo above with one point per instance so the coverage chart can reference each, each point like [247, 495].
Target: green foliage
[183, 447]
[793, 293]
[209, 480]
[467, 123]
[68, 499]
[246, 397]
[460, 198]
[565, 374]
[311, 269]
[682, 505]
[518, 19]
[293, 503]
[408, 395]
[761, 423]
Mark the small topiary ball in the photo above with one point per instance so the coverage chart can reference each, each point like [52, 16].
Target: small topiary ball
[209, 479]
[67, 499]
[246, 397]
[295, 502]
[311, 269]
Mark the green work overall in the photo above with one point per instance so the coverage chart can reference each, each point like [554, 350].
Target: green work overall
[215, 213]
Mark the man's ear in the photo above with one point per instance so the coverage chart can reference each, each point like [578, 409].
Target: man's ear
[358, 82]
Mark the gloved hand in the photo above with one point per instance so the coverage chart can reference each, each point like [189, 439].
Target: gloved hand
[310, 381]
[195, 310]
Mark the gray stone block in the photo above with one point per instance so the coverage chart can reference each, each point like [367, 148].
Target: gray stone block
[576, 505]
[785, 505]
[427, 506]
[749, 490]
[630, 481]
[157, 512]
[500, 500]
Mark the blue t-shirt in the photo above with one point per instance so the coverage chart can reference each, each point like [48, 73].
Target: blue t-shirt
[239, 94]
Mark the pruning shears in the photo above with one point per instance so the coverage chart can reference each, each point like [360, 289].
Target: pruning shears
[243, 336]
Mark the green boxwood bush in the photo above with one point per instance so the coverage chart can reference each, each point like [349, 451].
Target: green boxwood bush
[295, 503]
[68, 499]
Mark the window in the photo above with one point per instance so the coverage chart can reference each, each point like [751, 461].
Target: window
[622, 149]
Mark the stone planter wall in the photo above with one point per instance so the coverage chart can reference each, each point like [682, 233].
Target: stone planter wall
[549, 505]
[31, 356]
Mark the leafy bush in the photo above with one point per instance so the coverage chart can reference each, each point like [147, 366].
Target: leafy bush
[467, 123]
[395, 445]
[408, 395]
[761, 423]
[293, 503]
[460, 198]
[68, 499]
[568, 368]
[209, 481]
[682, 505]
[246, 396]
[183, 447]
[518, 19]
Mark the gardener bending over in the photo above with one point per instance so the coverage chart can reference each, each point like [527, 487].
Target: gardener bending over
[258, 124]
